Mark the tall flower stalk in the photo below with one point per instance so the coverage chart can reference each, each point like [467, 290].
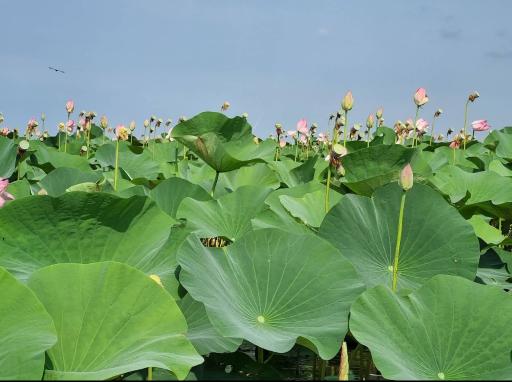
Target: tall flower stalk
[471, 98]
[406, 181]
[437, 114]
[121, 135]
[346, 105]
[420, 99]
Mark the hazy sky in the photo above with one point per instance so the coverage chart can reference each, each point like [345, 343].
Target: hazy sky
[279, 61]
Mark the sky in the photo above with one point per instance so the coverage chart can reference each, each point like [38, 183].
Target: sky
[277, 60]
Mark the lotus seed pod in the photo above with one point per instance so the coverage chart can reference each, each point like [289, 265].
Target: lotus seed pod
[406, 178]
[24, 145]
[473, 96]
[103, 122]
[379, 113]
[348, 101]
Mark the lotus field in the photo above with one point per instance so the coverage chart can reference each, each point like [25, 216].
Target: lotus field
[196, 250]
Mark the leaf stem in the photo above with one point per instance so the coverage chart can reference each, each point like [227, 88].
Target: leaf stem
[117, 165]
[465, 121]
[415, 132]
[345, 129]
[398, 240]
[215, 182]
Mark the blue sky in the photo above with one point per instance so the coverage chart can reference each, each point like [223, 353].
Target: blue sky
[279, 61]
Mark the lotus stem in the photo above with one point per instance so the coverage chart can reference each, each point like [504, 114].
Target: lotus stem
[415, 132]
[215, 183]
[66, 141]
[150, 373]
[327, 187]
[432, 132]
[465, 121]
[398, 240]
[345, 129]
[344, 366]
[259, 355]
[368, 138]
[88, 138]
[59, 139]
[296, 150]
[117, 165]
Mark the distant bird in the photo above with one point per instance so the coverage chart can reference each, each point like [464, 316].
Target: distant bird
[57, 70]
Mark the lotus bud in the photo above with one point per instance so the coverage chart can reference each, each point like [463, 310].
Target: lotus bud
[4, 132]
[45, 134]
[152, 118]
[43, 117]
[370, 121]
[146, 123]
[279, 128]
[473, 96]
[420, 97]
[121, 133]
[70, 125]
[103, 122]
[70, 106]
[156, 279]
[406, 178]
[438, 112]
[348, 101]
[132, 126]
[282, 143]
[379, 113]
[225, 106]
[182, 118]
[62, 126]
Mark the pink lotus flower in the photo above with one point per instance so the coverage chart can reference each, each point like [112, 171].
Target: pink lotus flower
[70, 106]
[421, 125]
[121, 133]
[480, 125]
[32, 123]
[303, 139]
[302, 127]
[4, 195]
[4, 132]
[70, 125]
[455, 144]
[282, 143]
[420, 97]
[322, 137]
[292, 134]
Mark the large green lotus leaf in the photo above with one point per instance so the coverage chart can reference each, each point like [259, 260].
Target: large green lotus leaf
[449, 329]
[169, 194]
[111, 319]
[492, 269]
[369, 168]
[26, 331]
[84, 227]
[229, 216]
[435, 237]
[294, 173]
[133, 165]
[485, 231]
[49, 158]
[203, 335]
[272, 287]
[19, 189]
[501, 141]
[59, 180]
[484, 186]
[499, 168]
[444, 155]
[279, 217]
[8, 151]
[196, 172]
[258, 174]
[309, 208]
[383, 135]
[164, 151]
[223, 143]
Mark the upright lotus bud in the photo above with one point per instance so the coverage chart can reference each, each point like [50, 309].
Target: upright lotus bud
[121, 133]
[406, 178]
[302, 127]
[132, 126]
[438, 113]
[282, 143]
[146, 123]
[420, 97]
[62, 126]
[70, 106]
[348, 101]
[473, 96]
[103, 122]
[225, 106]
[279, 129]
[379, 113]
[43, 117]
[370, 121]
